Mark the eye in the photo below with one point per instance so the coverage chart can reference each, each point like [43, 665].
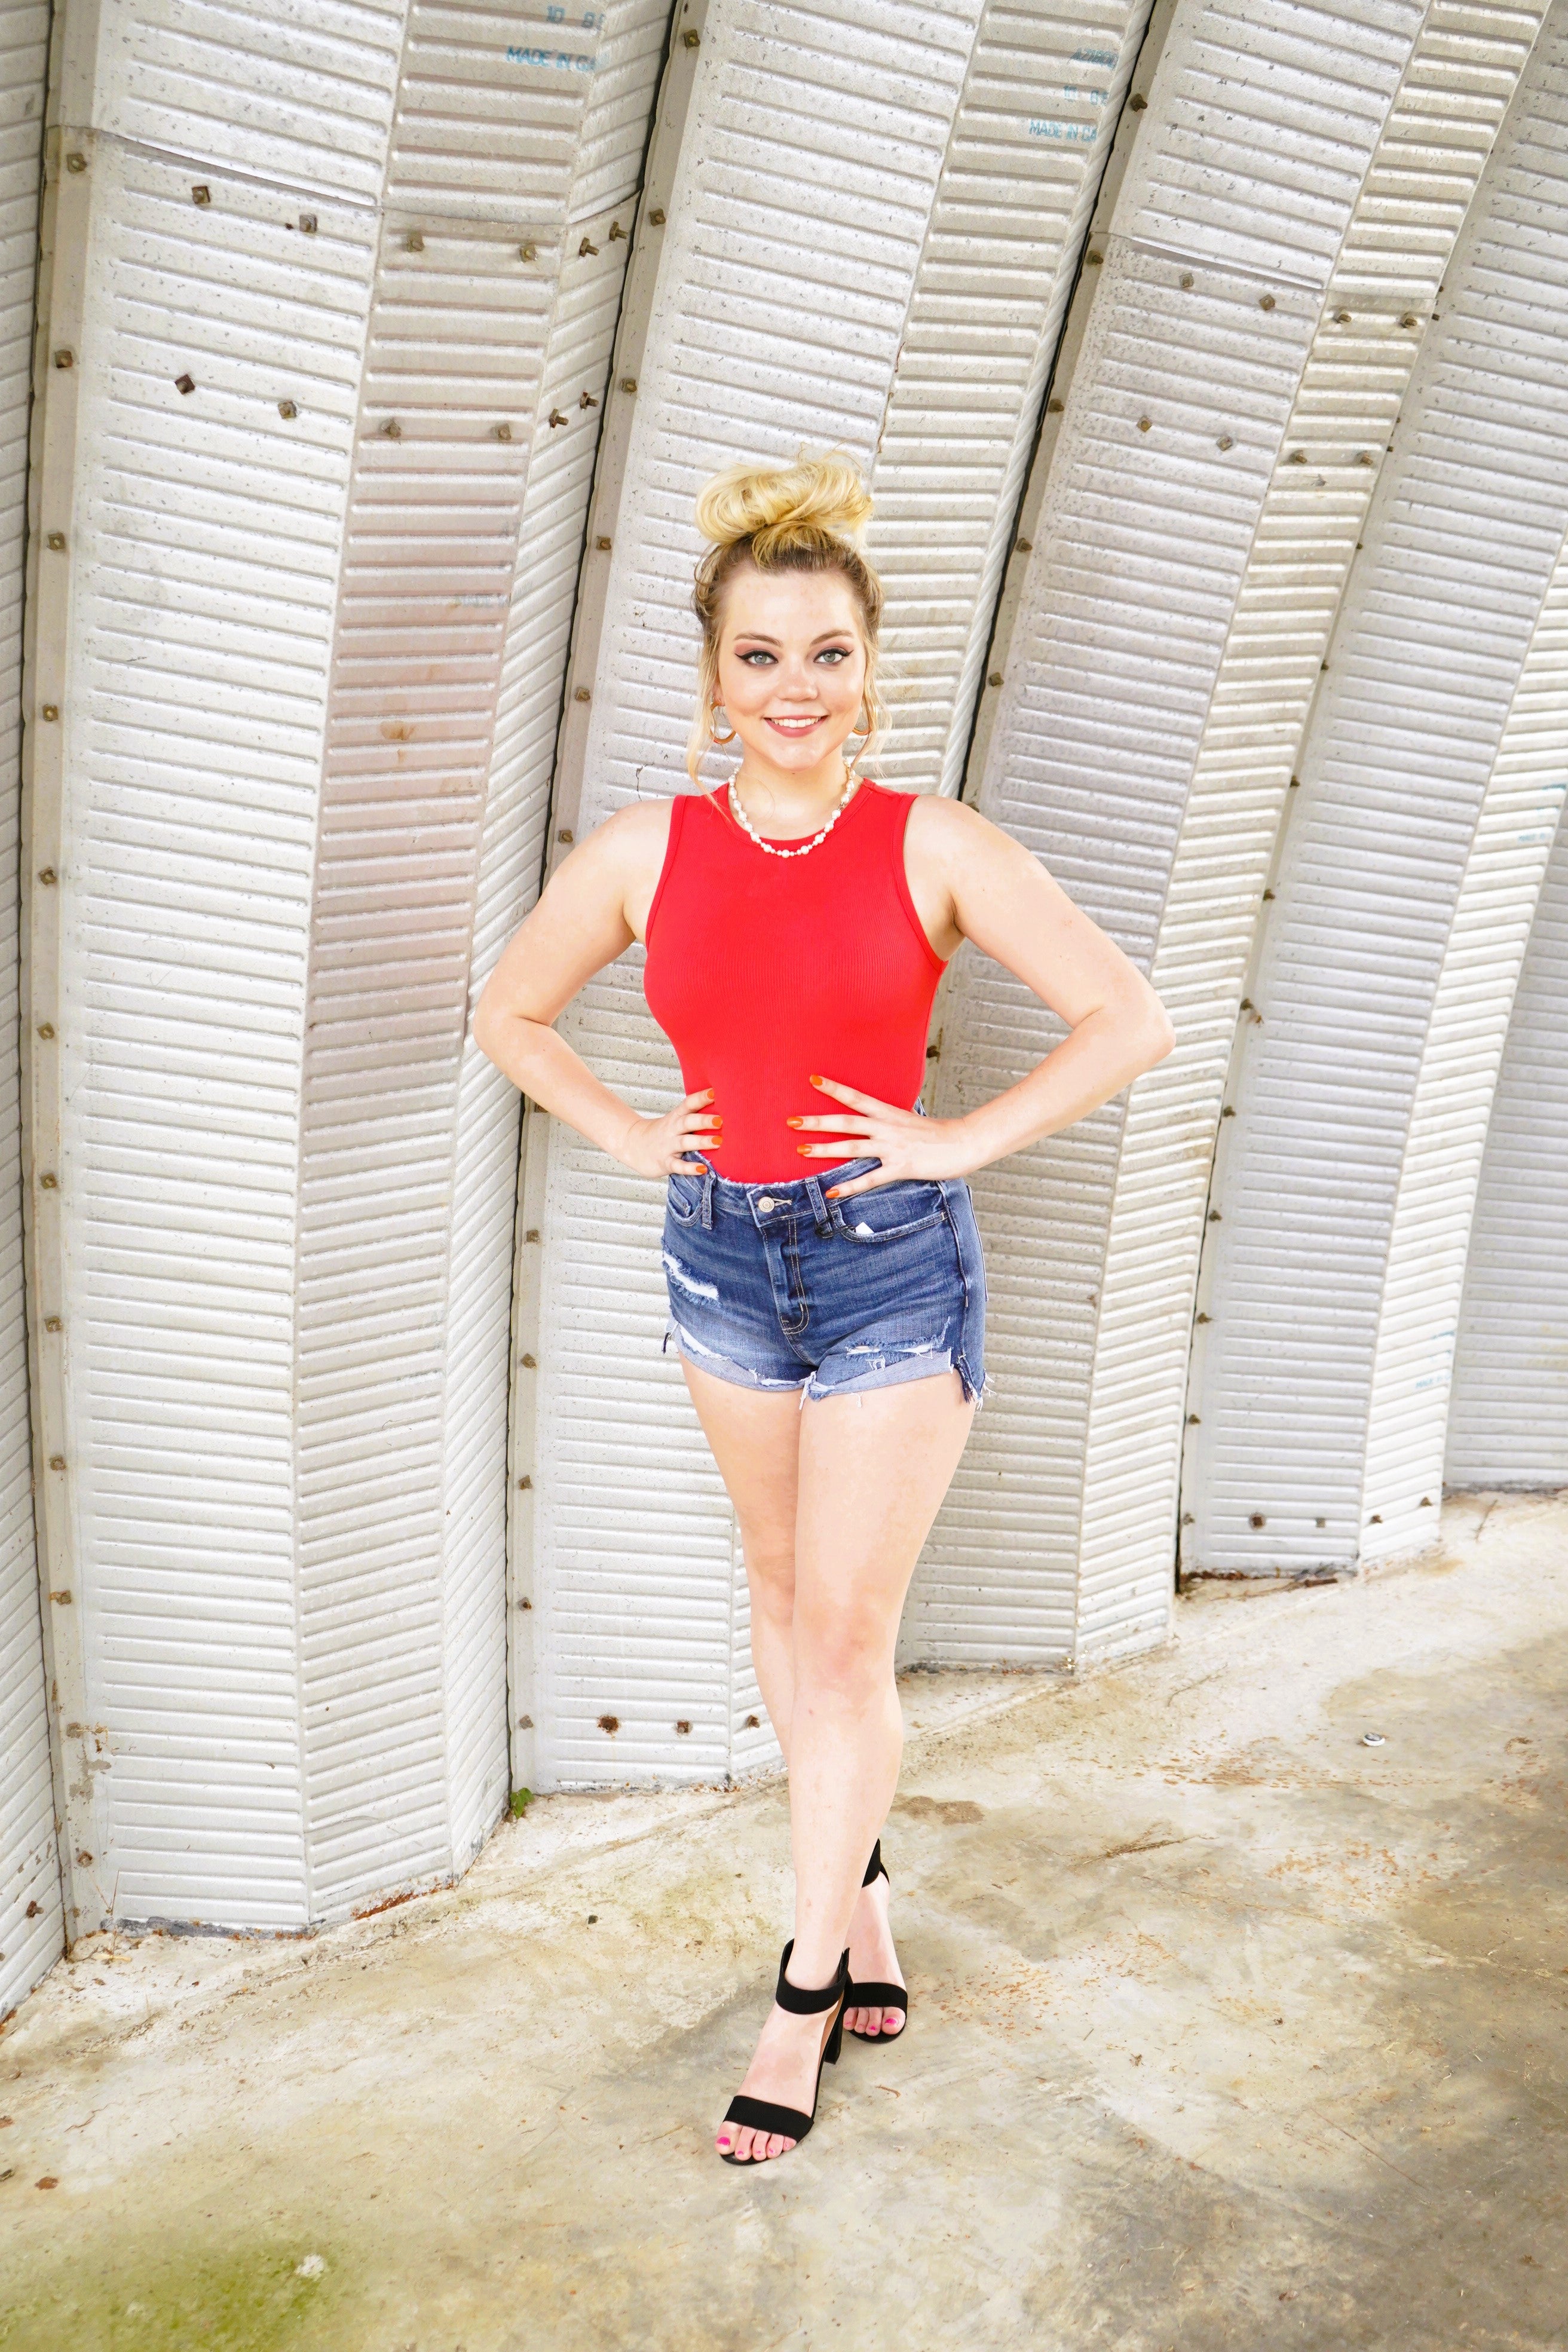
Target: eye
[834, 653]
[754, 656]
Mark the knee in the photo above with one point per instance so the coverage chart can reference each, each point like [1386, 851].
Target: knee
[770, 1573]
[845, 1651]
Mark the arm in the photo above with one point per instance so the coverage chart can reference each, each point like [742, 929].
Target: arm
[582, 922]
[973, 881]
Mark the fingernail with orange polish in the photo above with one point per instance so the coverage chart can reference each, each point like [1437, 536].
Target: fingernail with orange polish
[795, 1122]
[816, 1082]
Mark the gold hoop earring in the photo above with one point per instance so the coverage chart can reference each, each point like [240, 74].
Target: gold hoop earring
[713, 734]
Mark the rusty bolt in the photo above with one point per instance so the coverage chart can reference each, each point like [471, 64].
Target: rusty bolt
[684, 1725]
[50, 711]
[1023, 547]
[1094, 258]
[564, 835]
[61, 1600]
[1225, 442]
[287, 408]
[610, 1723]
[691, 40]
[1410, 319]
[75, 162]
[586, 247]
[587, 401]
[392, 430]
[1257, 1520]
[201, 194]
[307, 223]
[64, 359]
[531, 1235]
[994, 678]
[557, 418]
[752, 1724]
[616, 231]
[583, 694]
[413, 242]
[1137, 103]
[45, 1028]
[48, 876]
[1342, 318]
[1145, 425]
[56, 539]
[1266, 301]
[50, 1184]
[502, 431]
[628, 383]
[524, 1483]
[528, 252]
[185, 384]
[656, 217]
[604, 544]
[52, 1323]
[57, 1462]
[529, 1363]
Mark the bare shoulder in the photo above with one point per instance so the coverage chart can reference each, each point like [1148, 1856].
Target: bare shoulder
[634, 834]
[955, 837]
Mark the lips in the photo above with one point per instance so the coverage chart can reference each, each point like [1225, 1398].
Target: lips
[796, 726]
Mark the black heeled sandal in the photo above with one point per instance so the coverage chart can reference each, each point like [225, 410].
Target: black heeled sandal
[761, 2115]
[872, 1995]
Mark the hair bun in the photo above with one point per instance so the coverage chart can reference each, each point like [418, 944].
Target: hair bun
[810, 503]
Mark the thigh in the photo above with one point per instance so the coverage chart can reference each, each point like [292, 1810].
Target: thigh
[754, 1434]
[874, 1467]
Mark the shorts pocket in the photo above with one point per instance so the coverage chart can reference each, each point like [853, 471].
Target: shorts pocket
[684, 1199]
[889, 1212]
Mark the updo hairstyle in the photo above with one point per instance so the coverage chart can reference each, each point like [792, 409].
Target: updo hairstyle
[806, 517]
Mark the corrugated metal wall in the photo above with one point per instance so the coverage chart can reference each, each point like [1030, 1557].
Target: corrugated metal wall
[31, 1920]
[1382, 977]
[399, 342]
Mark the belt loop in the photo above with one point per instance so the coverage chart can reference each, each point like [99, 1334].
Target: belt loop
[819, 1208]
[708, 1180]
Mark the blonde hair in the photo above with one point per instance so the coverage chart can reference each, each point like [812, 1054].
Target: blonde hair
[805, 517]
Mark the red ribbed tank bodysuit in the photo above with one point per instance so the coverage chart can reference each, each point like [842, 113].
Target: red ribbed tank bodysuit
[762, 970]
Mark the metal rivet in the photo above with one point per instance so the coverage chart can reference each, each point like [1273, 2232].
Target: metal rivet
[392, 430]
[525, 1604]
[1267, 894]
[588, 246]
[1425, 1504]
[56, 539]
[48, 876]
[1410, 319]
[1226, 1112]
[1054, 407]
[565, 834]
[657, 217]
[1377, 1519]
[52, 1323]
[556, 417]
[610, 1723]
[1199, 1318]
[50, 1184]
[57, 1462]
[525, 1482]
[1266, 301]
[604, 545]
[1342, 318]
[50, 711]
[46, 1029]
[75, 162]
[287, 408]
[413, 242]
[64, 359]
[1023, 547]
[1192, 1421]
[528, 252]
[63, 1599]
[752, 1723]
[1225, 442]
[201, 194]
[527, 1363]
[185, 384]
[628, 383]
[1137, 103]
[1185, 281]
[525, 1722]
[502, 431]
[995, 677]
[1213, 1216]
[1257, 1520]
[1247, 1003]
[1364, 457]
[1145, 425]
[1094, 258]
[1296, 458]
[683, 1726]
[691, 40]
[583, 694]
[531, 1235]
[307, 223]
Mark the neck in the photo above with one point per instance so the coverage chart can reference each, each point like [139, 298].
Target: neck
[785, 803]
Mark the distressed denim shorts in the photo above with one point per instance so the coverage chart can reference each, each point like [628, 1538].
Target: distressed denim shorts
[776, 1286]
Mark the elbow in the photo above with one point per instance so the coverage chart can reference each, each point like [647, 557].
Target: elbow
[1156, 1030]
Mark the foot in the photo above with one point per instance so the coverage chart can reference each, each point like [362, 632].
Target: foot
[784, 2071]
[873, 1960]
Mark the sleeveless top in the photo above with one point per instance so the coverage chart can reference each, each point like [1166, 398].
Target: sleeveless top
[762, 970]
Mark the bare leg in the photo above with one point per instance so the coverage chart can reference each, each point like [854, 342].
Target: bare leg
[871, 1471]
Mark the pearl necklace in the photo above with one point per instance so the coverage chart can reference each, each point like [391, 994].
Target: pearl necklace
[772, 849]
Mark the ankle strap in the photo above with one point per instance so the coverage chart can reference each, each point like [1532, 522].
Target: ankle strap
[874, 1867]
[803, 2002]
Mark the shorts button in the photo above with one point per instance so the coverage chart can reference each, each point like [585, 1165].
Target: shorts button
[767, 1203]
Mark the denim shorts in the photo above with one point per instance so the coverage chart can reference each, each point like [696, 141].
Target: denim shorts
[776, 1287]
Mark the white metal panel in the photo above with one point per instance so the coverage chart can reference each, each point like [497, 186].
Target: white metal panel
[31, 1920]
[204, 550]
[296, 91]
[1023, 164]
[1461, 71]
[408, 1176]
[1261, 128]
[1509, 1420]
[633, 1603]
[1464, 533]
[1413, 1359]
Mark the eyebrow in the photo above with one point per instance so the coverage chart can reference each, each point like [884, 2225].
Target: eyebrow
[761, 636]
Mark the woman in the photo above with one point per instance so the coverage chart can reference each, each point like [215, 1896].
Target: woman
[825, 1283]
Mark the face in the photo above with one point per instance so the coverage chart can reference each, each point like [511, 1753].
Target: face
[792, 665]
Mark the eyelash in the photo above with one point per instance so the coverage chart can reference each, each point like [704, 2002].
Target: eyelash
[758, 654]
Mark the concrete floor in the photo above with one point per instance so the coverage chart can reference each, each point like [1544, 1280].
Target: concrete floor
[1229, 2030]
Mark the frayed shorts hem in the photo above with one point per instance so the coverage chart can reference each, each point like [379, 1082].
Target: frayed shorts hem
[812, 1387]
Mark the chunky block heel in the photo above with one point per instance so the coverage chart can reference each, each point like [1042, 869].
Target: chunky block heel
[763, 2115]
[873, 1995]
